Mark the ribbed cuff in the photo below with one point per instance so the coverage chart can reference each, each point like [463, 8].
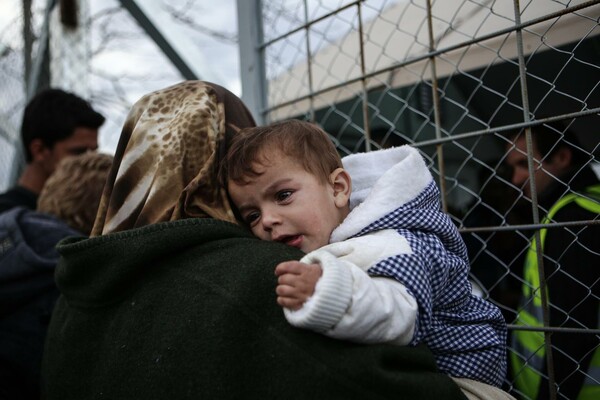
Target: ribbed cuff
[332, 297]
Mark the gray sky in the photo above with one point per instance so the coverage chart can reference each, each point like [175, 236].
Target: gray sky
[126, 64]
[138, 64]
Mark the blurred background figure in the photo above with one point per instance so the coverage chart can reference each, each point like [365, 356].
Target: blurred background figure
[55, 124]
[567, 190]
[67, 206]
[73, 192]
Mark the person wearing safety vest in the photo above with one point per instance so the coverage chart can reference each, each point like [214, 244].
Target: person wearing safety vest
[568, 190]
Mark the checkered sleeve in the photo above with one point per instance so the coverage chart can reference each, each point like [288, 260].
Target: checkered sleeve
[466, 334]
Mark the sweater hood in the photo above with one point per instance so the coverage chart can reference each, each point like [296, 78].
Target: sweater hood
[28, 255]
[382, 181]
[99, 271]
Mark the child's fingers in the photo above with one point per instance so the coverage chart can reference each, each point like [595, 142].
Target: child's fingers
[289, 279]
[289, 267]
[286, 291]
[296, 283]
[295, 287]
[290, 297]
[291, 303]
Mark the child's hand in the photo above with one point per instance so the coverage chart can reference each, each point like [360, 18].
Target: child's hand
[296, 283]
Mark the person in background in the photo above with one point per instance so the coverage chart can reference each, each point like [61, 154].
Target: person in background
[384, 263]
[67, 206]
[73, 192]
[567, 190]
[55, 124]
[171, 298]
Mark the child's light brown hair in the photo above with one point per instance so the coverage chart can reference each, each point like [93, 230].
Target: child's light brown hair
[305, 142]
[73, 191]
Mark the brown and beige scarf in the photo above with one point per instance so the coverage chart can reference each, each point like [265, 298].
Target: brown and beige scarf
[166, 163]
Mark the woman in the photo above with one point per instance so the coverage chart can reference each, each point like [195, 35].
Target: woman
[172, 299]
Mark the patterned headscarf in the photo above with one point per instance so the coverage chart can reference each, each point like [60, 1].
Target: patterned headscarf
[166, 163]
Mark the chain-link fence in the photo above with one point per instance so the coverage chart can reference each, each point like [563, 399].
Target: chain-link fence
[28, 53]
[455, 78]
[12, 101]
[458, 79]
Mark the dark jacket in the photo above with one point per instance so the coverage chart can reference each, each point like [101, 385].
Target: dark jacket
[27, 295]
[18, 196]
[187, 309]
[571, 263]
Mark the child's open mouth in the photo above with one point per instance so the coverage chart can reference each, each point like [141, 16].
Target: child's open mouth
[291, 240]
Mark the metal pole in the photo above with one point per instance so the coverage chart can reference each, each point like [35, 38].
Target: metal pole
[436, 108]
[252, 58]
[534, 203]
[39, 77]
[309, 65]
[165, 45]
[365, 92]
[27, 41]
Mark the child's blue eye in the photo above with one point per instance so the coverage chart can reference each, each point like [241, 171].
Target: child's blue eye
[283, 195]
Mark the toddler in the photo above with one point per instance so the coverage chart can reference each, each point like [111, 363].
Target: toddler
[383, 262]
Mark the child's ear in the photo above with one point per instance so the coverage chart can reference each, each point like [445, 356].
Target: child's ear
[342, 187]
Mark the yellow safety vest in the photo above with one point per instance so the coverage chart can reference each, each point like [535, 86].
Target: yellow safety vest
[528, 357]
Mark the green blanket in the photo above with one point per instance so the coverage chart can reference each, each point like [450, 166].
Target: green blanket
[187, 310]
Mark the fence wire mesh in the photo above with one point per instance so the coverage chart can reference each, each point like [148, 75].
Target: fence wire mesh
[12, 102]
[457, 79]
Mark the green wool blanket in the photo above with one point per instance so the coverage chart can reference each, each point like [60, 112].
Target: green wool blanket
[187, 310]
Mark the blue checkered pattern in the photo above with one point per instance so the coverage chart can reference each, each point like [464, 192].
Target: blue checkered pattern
[466, 334]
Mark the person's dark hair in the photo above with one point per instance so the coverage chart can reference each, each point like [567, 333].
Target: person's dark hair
[305, 142]
[53, 115]
[548, 138]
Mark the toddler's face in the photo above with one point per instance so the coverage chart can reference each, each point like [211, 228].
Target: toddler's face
[288, 204]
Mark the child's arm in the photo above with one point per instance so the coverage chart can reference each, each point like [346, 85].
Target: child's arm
[346, 302]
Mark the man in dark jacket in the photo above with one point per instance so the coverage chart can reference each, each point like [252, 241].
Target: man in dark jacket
[28, 258]
[55, 124]
[568, 190]
[27, 296]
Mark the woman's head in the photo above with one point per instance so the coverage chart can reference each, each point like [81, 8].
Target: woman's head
[167, 160]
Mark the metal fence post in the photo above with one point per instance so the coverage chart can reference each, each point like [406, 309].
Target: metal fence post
[534, 203]
[252, 64]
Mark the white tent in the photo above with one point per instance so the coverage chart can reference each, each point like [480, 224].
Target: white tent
[396, 43]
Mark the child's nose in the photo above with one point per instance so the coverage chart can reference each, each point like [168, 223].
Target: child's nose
[269, 219]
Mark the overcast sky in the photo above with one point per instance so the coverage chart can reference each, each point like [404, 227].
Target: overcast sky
[141, 65]
[127, 64]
